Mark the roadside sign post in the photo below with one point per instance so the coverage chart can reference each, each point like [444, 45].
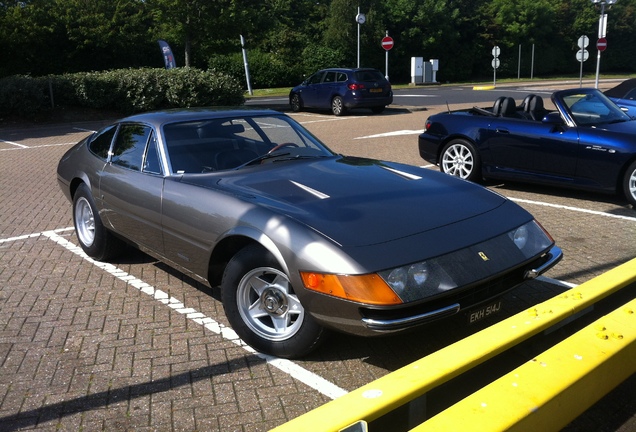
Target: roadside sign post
[360, 19]
[387, 44]
[601, 43]
[495, 64]
[582, 55]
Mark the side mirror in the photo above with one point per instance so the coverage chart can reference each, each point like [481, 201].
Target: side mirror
[553, 118]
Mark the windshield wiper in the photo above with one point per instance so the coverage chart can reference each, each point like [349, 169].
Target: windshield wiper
[261, 158]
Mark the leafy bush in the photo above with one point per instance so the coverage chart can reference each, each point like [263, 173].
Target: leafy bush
[124, 90]
[267, 70]
[23, 95]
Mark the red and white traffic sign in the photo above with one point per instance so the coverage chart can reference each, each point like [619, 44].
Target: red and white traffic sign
[601, 44]
[387, 42]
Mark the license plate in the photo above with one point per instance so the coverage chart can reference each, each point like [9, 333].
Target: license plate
[375, 90]
[484, 312]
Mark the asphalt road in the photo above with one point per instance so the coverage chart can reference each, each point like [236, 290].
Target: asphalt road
[451, 96]
[136, 345]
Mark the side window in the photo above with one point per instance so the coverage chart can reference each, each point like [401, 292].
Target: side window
[330, 77]
[342, 77]
[151, 159]
[130, 146]
[315, 78]
[101, 143]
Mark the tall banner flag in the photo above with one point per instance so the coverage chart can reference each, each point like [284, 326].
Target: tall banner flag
[168, 58]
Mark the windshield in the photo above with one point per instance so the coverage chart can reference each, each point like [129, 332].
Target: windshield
[592, 109]
[209, 145]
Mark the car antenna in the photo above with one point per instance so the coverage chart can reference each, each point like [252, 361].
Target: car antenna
[447, 107]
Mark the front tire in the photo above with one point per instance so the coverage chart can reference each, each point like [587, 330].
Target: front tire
[337, 106]
[263, 309]
[629, 184]
[96, 241]
[460, 159]
[295, 103]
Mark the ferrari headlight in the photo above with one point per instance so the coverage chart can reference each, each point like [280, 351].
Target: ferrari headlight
[419, 273]
[531, 239]
[418, 280]
[405, 278]
[398, 279]
[520, 236]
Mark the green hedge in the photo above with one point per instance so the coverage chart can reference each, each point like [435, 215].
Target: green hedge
[127, 91]
[268, 70]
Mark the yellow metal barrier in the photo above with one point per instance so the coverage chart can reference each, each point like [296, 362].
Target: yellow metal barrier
[555, 387]
[383, 395]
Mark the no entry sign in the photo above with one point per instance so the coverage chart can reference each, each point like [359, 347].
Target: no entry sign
[387, 42]
[601, 44]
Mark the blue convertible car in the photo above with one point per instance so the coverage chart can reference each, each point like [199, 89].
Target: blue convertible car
[588, 142]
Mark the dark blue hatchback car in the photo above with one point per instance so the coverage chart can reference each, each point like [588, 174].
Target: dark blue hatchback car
[341, 89]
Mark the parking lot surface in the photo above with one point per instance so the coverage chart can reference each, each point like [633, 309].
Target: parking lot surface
[133, 344]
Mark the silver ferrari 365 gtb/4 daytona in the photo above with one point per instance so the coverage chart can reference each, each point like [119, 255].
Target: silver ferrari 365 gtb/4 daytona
[299, 239]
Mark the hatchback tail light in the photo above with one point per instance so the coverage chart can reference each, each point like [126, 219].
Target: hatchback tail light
[355, 86]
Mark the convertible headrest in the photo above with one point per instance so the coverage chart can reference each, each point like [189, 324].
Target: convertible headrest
[526, 102]
[508, 107]
[496, 107]
[536, 104]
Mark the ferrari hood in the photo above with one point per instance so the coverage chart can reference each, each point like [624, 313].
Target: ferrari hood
[358, 202]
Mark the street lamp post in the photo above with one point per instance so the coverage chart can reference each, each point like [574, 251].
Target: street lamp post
[602, 31]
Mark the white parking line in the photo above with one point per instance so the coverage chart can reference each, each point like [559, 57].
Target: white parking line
[23, 147]
[576, 209]
[12, 143]
[295, 371]
[394, 133]
[322, 118]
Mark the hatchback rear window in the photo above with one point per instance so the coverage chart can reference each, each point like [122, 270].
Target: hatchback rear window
[369, 75]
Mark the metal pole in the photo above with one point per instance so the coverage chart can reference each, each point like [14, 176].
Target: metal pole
[358, 38]
[581, 60]
[386, 68]
[519, 64]
[532, 66]
[247, 67]
[600, 35]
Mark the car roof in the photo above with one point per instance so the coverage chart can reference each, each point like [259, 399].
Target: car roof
[193, 114]
[349, 69]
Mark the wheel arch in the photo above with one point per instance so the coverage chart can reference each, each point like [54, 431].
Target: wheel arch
[75, 183]
[232, 243]
[622, 172]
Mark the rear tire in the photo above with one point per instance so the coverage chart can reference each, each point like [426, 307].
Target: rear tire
[629, 184]
[263, 309]
[96, 241]
[460, 159]
[378, 109]
[337, 106]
